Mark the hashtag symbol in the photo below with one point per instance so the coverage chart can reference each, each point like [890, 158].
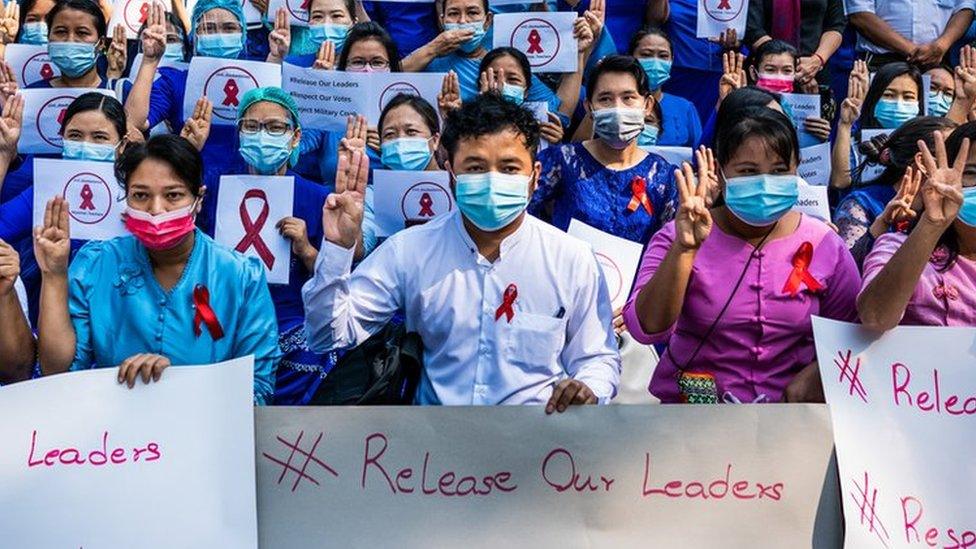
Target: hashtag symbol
[843, 362]
[867, 506]
[301, 473]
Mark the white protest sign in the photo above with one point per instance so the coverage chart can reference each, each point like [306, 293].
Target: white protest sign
[815, 164]
[95, 199]
[30, 63]
[870, 171]
[813, 201]
[82, 452]
[44, 111]
[248, 208]
[618, 259]
[224, 82]
[325, 99]
[297, 11]
[674, 155]
[595, 476]
[132, 14]
[406, 198]
[546, 39]
[715, 16]
[799, 107]
[926, 87]
[251, 14]
[163, 62]
[903, 406]
[385, 86]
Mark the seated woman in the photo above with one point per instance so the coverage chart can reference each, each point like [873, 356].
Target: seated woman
[731, 289]
[678, 120]
[927, 276]
[165, 295]
[17, 344]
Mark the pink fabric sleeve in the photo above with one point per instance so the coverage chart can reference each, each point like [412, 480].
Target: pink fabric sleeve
[840, 303]
[884, 248]
[653, 256]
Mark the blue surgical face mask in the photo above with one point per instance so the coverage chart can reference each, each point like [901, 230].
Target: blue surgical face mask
[265, 152]
[761, 200]
[222, 45]
[658, 71]
[491, 200]
[329, 31]
[648, 136]
[618, 126]
[514, 93]
[967, 214]
[34, 33]
[73, 58]
[83, 150]
[891, 113]
[174, 52]
[406, 153]
[479, 34]
[939, 103]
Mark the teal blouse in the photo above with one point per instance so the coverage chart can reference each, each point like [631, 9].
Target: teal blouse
[119, 309]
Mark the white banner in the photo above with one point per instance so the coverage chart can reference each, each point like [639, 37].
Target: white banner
[546, 39]
[87, 462]
[715, 16]
[799, 107]
[95, 199]
[903, 406]
[406, 198]
[44, 111]
[618, 259]
[225, 82]
[132, 14]
[815, 164]
[248, 208]
[30, 63]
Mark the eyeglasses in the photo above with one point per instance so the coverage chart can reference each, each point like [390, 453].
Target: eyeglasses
[360, 64]
[273, 127]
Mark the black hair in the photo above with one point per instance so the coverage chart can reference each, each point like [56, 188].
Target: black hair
[370, 30]
[94, 101]
[87, 6]
[949, 240]
[881, 80]
[172, 19]
[520, 58]
[489, 114]
[618, 64]
[644, 33]
[484, 5]
[770, 47]
[178, 153]
[418, 104]
[773, 127]
[896, 151]
[748, 96]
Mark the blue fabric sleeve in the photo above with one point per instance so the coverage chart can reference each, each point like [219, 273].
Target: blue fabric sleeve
[79, 303]
[258, 322]
[16, 216]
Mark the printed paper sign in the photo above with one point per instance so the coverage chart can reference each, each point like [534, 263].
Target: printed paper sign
[95, 199]
[297, 11]
[674, 155]
[903, 406]
[89, 451]
[715, 16]
[132, 15]
[383, 87]
[163, 62]
[546, 39]
[871, 171]
[44, 111]
[799, 107]
[618, 259]
[927, 86]
[30, 63]
[248, 208]
[406, 198]
[813, 201]
[225, 82]
[251, 14]
[815, 164]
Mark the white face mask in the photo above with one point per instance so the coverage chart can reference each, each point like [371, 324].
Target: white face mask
[617, 127]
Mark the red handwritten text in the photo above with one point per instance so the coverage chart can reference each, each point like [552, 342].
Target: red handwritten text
[948, 538]
[559, 471]
[717, 489]
[97, 457]
[928, 401]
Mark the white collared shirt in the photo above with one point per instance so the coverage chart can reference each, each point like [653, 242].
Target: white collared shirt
[919, 21]
[450, 294]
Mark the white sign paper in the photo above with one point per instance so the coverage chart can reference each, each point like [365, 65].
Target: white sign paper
[248, 208]
[385, 86]
[44, 110]
[674, 155]
[799, 107]
[406, 198]
[815, 164]
[95, 199]
[546, 39]
[871, 171]
[813, 201]
[81, 451]
[225, 82]
[30, 63]
[618, 259]
[903, 406]
[132, 14]
[297, 11]
[163, 62]
[715, 16]
[927, 86]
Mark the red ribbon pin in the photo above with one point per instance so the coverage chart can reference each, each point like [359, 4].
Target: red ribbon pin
[86, 198]
[205, 314]
[535, 42]
[230, 93]
[724, 5]
[47, 72]
[638, 189]
[801, 274]
[507, 301]
[425, 205]
[143, 13]
[252, 228]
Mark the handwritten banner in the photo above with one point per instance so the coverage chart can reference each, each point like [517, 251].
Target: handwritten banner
[95, 199]
[248, 208]
[715, 16]
[87, 462]
[799, 107]
[815, 164]
[225, 83]
[546, 39]
[44, 111]
[30, 63]
[618, 259]
[813, 201]
[903, 406]
[407, 198]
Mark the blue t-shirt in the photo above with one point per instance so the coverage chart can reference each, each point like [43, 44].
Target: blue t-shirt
[623, 19]
[411, 24]
[681, 127]
[690, 51]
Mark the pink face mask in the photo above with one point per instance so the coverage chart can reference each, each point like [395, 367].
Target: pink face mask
[776, 83]
[163, 231]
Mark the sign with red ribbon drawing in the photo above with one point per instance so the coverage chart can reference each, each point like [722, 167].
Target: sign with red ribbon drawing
[30, 63]
[297, 10]
[225, 84]
[248, 208]
[546, 39]
[406, 198]
[95, 200]
[43, 114]
[618, 259]
[131, 14]
[716, 16]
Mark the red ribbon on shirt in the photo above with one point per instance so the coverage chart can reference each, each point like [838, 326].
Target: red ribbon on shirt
[425, 206]
[638, 189]
[507, 301]
[535, 42]
[86, 198]
[230, 93]
[801, 274]
[252, 228]
[205, 314]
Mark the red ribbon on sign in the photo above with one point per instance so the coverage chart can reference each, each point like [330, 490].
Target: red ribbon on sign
[724, 5]
[535, 42]
[47, 72]
[86, 198]
[252, 228]
[638, 190]
[425, 205]
[204, 313]
[507, 301]
[61, 116]
[801, 274]
[305, 4]
[143, 13]
[230, 93]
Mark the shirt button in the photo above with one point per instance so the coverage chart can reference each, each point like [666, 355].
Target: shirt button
[759, 318]
[759, 254]
[159, 337]
[756, 285]
[756, 350]
[162, 317]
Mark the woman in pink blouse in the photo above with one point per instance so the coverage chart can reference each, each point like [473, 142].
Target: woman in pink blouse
[928, 276]
[731, 289]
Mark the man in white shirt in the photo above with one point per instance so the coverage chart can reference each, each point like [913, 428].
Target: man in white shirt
[919, 31]
[510, 310]
[17, 346]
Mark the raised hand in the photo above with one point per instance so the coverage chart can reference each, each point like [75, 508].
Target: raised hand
[733, 73]
[583, 35]
[942, 192]
[899, 209]
[196, 129]
[8, 81]
[965, 74]
[154, 37]
[52, 241]
[596, 18]
[450, 97]
[9, 267]
[10, 22]
[491, 80]
[693, 222]
[342, 214]
[279, 41]
[11, 121]
[325, 59]
[857, 89]
[708, 171]
[117, 54]
[355, 139]
[552, 131]
[261, 6]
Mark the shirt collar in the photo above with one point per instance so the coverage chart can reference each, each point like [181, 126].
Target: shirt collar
[509, 243]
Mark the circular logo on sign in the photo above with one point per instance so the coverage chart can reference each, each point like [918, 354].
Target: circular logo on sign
[225, 87]
[396, 89]
[615, 278]
[38, 67]
[300, 12]
[89, 197]
[134, 14]
[538, 39]
[49, 118]
[423, 201]
[724, 10]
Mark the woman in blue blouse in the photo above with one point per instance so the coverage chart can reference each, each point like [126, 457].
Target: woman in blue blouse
[165, 295]
[608, 182]
[76, 42]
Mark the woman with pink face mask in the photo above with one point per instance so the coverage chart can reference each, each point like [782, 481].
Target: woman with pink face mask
[165, 295]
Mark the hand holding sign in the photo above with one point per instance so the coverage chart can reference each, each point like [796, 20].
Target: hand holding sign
[154, 37]
[145, 365]
[552, 131]
[52, 242]
[296, 231]
[583, 34]
[342, 214]
[196, 129]
[942, 193]
[10, 124]
[279, 40]
[569, 392]
[325, 60]
[693, 222]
